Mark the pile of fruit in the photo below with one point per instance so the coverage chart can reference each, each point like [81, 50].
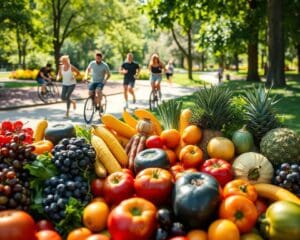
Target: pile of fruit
[223, 169]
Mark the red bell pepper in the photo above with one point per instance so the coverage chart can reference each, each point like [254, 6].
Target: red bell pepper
[132, 219]
[154, 184]
[117, 187]
[218, 168]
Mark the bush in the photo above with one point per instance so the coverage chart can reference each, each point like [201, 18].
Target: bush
[24, 74]
[144, 74]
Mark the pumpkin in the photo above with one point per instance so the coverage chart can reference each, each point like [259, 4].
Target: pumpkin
[145, 127]
[56, 132]
[42, 146]
[253, 167]
[242, 140]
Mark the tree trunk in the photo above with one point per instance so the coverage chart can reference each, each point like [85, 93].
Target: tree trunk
[202, 61]
[298, 55]
[236, 61]
[190, 56]
[252, 74]
[275, 74]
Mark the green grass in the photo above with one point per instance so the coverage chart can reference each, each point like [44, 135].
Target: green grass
[13, 84]
[287, 108]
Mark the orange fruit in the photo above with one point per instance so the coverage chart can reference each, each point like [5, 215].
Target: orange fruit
[98, 199]
[97, 237]
[171, 156]
[170, 137]
[95, 216]
[197, 235]
[223, 229]
[220, 147]
[191, 134]
[79, 234]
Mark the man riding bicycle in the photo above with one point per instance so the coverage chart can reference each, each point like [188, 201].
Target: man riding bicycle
[100, 75]
[43, 76]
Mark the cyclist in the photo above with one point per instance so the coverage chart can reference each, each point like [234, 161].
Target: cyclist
[100, 75]
[43, 76]
[156, 67]
[130, 69]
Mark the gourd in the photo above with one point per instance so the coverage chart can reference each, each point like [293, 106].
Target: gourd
[56, 132]
[152, 157]
[39, 132]
[113, 144]
[143, 113]
[253, 167]
[145, 127]
[242, 140]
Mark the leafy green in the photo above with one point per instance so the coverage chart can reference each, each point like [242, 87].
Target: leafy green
[169, 112]
[84, 132]
[42, 168]
[72, 220]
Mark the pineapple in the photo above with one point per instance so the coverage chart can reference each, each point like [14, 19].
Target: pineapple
[212, 112]
[260, 113]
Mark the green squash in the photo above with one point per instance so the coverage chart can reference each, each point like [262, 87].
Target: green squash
[152, 157]
[56, 132]
[242, 140]
[281, 221]
[196, 199]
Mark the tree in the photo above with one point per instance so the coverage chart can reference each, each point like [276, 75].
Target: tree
[186, 15]
[275, 74]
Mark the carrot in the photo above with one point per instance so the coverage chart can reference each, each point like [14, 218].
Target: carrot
[129, 144]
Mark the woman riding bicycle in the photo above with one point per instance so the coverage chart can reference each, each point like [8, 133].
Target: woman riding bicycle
[43, 76]
[100, 75]
[156, 68]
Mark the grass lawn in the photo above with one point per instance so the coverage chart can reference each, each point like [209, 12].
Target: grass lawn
[13, 84]
[288, 107]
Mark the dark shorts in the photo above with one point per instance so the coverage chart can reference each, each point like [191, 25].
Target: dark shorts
[41, 81]
[129, 82]
[96, 85]
[168, 75]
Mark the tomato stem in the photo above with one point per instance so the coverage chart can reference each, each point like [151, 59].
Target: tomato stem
[136, 211]
[239, 214]
[253, 173]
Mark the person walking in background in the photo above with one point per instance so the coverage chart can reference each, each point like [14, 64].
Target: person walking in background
[43, 76]
[65, 71]
[169, 71]
[130, 69]
[156, 68]
[100, 75]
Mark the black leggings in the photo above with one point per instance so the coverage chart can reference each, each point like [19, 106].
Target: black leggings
[66, 94]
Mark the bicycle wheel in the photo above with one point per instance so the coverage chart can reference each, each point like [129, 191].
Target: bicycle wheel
[43, 96]
[153, 99]
[54, 90]
[103, 106]
[89, 110]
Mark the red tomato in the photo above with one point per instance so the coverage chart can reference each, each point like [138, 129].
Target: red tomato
[261, 206]
[127, 170]
[117, 187]
[218, 168]
[154, 141]
[240, 187]
[154, 184]
[17, 125]
[191, 156]
[133, 219]
[179, 238]
[48, 235]
[44, 225]
[97, 187]
[176, 169]
[16, 225]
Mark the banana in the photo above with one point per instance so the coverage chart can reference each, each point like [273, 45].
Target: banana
[100, 170]
[275, 193]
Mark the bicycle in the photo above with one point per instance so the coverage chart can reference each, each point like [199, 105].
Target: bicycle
[154, 98]
[51, 91]
[90, 107]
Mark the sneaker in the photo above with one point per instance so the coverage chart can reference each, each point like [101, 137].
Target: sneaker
[134, 101]
[66, 116]
[101, 109]
[97, 108]
[126, 105]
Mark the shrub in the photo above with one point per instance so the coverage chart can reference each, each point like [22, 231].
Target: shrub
[144, 74]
